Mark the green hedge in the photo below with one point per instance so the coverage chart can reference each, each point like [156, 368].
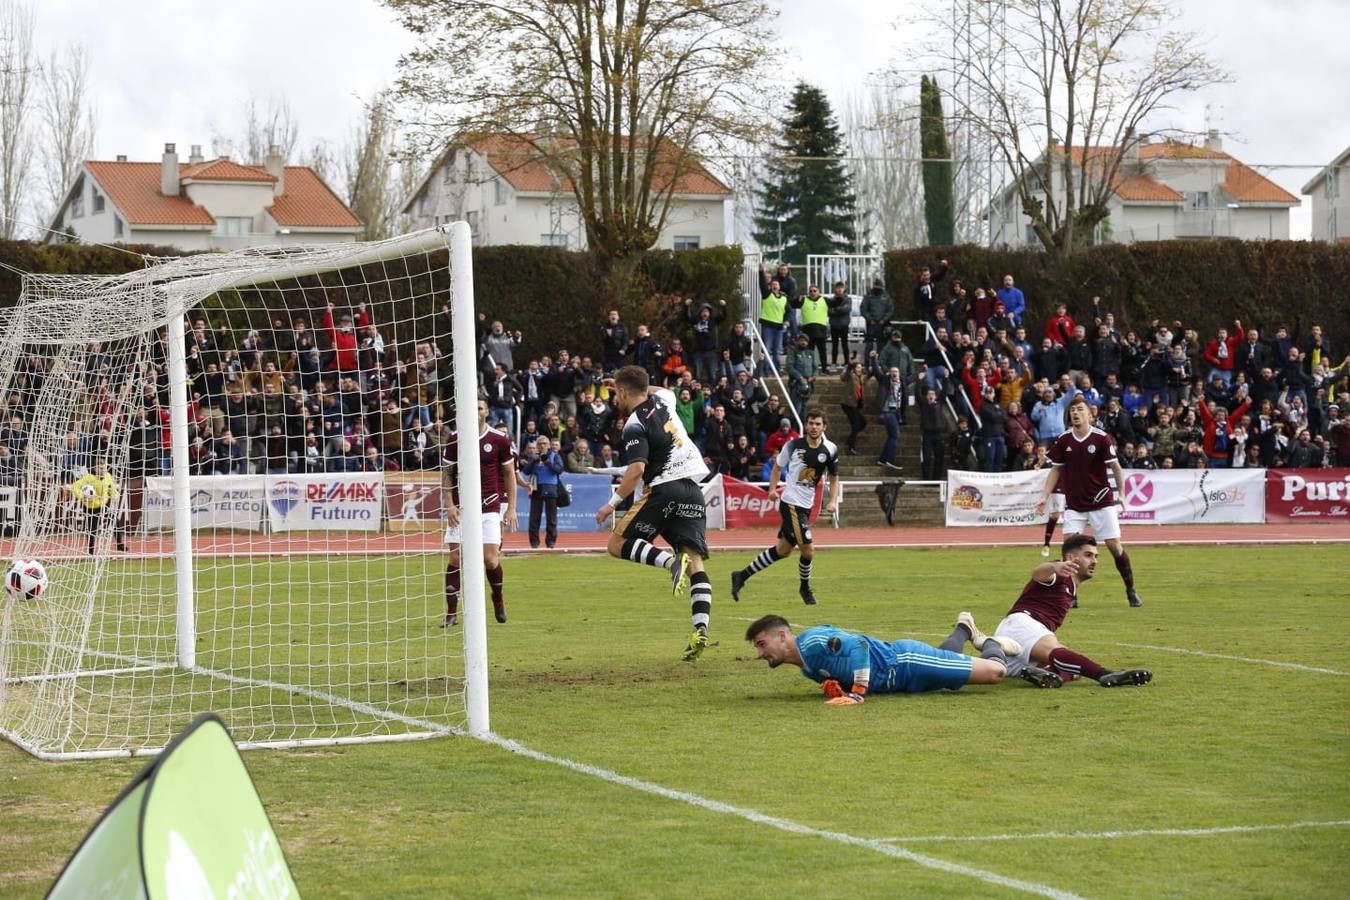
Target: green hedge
[1205, 284]
[555, 297]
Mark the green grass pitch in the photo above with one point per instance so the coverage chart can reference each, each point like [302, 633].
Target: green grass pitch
[588, 670]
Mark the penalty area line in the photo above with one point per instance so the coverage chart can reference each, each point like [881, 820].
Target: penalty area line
[760, 818]
[1099, 835]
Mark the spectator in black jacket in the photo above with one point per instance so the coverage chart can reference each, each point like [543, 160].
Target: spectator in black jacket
[992, 437]
[614, 342]
[561, 382]
[1078, 354]
[502, 393]
[1293, 378]
[646, 351]
[1252, 355]
[703, 336]
[925, 291]
[933, 428]
[533, 393]
[1106, 354]
[738, 346]
[841, 314]
[1048, 362]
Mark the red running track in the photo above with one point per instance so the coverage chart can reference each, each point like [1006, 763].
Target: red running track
[591, 542]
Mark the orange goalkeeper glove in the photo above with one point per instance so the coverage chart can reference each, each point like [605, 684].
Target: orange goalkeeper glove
[840, 697]
[832, 688]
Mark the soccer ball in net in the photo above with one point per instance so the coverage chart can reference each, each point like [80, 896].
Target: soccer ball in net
[88, 492]
[26, 579]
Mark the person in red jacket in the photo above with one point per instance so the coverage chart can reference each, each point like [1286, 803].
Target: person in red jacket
[343, 338]
[1219, 353]
[1218, 433]
[1059, 327]
[976, 383]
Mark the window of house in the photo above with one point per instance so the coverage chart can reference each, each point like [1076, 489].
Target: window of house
[472, 218]
[117, 226]
[77, 201]
[553, 240]
[98, 200]
[1197, 199]
[1333, 187]
[1031, 236]
[422, 204]
[234, 225]
[686, 242]
[499, 191]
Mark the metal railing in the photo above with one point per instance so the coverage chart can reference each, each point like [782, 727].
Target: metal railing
[930, 335]
[757, 342]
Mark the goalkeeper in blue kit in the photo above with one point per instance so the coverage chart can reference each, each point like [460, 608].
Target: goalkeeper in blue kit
[850, 666]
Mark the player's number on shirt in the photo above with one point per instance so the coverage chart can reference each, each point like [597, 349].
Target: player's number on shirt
[674, 433]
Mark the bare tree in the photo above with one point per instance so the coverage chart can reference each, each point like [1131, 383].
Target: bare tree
[264, 127]
[619, 96]
[67, 123]
[369, 169]
[17, 67]
[1066, 96]
[881, 127]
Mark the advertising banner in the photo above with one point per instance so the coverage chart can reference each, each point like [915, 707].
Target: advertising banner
[748, 506]
[191, 824]
[218, 501]
[714, 499]
[994, 498]
[329, 502]
[413, 501]
[1307, 495]
[1189, 496]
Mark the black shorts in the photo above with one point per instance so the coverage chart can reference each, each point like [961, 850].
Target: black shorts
[674, 511]
[796, 527]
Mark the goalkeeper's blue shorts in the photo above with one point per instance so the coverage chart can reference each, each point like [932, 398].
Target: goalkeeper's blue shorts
[917, 667]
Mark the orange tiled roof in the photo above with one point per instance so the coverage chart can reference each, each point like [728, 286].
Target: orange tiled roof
[223, 169]
[1178, 150]
[1137, 187]
[515, 160]
[309, 201]
[133, 187]
[1244, 183]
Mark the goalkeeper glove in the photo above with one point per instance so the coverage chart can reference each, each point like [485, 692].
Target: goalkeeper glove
[840, 697]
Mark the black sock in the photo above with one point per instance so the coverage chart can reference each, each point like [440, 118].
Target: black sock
[1049, 530]
[1125, 570]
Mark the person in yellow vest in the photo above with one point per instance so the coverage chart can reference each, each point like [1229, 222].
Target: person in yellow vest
[772, 318]
[815, 321]
[96, 491]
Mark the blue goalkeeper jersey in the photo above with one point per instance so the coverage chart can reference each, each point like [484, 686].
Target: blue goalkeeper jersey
[883, 667]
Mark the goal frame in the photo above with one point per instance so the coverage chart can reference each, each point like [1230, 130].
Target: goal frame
[181, 298]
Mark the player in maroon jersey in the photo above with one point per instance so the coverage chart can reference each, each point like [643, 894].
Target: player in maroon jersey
[1081, 458]
[1037, 615]
[497, 469]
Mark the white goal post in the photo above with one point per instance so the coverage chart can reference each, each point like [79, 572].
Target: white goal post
[268, 546]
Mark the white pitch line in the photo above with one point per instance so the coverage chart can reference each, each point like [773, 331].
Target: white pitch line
[1097, 835]
[760, 818]
[1246, 659]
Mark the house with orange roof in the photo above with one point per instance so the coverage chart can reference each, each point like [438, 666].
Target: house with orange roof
[202, 204]
[1330, 193]
[1162, 191]
[509, 193]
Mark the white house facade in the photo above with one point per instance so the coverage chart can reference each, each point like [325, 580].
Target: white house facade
[202, 204]
[1330, 193]
[510, 196]
[1163, 191]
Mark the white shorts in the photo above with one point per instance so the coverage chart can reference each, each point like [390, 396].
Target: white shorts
[1105, 522]
[1026, 631]
[492, 530]
[1055, 504]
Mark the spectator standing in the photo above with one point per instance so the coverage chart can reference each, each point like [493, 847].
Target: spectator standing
[499, 343]
[646, 351]
[1059, 328]
[738, 348]
[703, 336]
[1218, 431]
[932, 427]
[993, 421]
[877, 309]
[925, 291]
[502, 393]
[815, 321]
[773, 308]
[542, 465]
[854, 378]
[840, 317]
[614, 342]
[802, 370]
[1220, 353]
[561, 382]
[342, 338]
[891, 406]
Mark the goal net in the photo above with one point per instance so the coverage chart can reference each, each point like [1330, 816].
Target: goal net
[231, 466]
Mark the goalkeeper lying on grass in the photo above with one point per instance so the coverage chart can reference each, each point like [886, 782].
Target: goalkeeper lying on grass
[848, 666]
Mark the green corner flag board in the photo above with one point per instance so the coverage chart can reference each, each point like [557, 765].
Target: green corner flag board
[190, 825]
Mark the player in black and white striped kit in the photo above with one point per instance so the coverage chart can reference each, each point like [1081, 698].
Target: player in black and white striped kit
[802, 463]
[658, 452]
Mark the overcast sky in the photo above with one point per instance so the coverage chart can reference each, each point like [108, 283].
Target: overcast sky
[174, 70]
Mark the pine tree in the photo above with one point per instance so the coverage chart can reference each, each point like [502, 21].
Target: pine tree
[807, 188]
[939, 207]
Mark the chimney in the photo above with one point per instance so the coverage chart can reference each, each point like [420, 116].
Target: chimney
[121, 157]
[196, 155]
[1213, 141]
[1130, 154]
[276, 167]
[168, 172]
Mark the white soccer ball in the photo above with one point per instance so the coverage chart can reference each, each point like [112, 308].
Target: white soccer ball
[26, 579]
[88, 492]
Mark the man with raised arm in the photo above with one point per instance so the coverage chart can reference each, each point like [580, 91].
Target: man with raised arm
[659, 454]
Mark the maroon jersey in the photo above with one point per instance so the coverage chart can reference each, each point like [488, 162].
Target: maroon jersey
[1047, 603]
[494, 451]
[1084, 464]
